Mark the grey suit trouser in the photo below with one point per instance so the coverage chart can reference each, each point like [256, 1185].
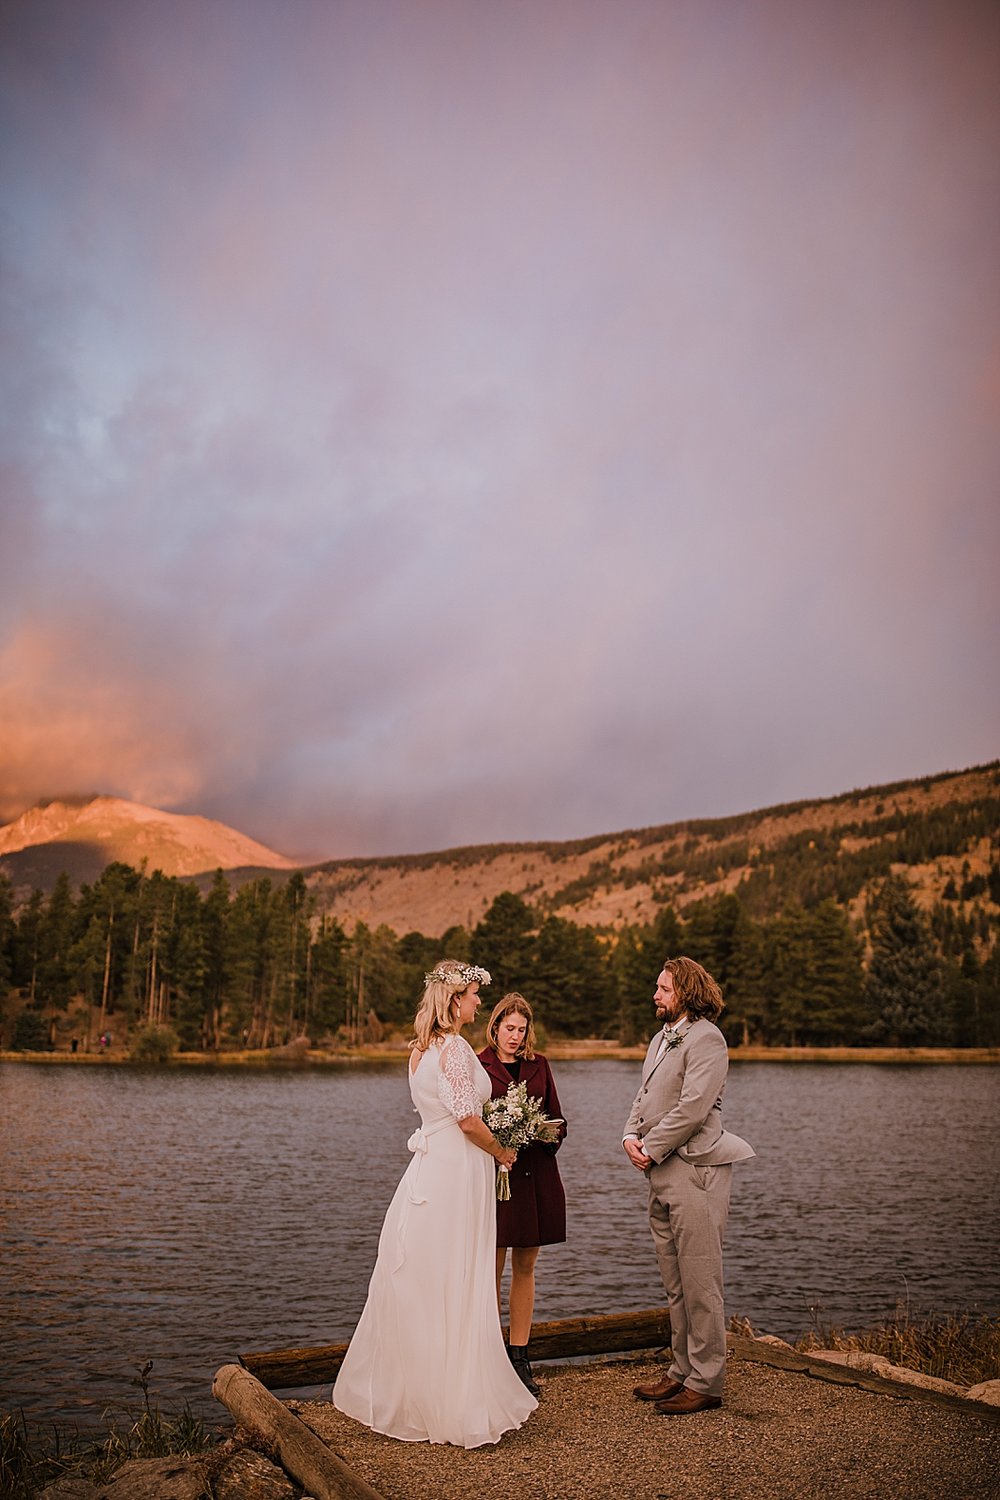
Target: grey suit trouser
[688, 1208]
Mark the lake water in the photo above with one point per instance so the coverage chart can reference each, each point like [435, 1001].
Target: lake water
[188, 1216]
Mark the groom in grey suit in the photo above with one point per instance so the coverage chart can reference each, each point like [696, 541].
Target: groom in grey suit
[674, 1135]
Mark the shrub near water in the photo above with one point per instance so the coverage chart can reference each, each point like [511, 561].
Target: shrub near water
[31, 1034]
[154, 1044]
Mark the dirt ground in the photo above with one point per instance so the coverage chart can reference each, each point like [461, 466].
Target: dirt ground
[779, 1436]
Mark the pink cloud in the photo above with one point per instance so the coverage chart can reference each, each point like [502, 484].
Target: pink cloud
[69, 727]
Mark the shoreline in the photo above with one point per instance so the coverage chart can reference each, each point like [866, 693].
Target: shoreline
[922, 1435]
[391, 1053]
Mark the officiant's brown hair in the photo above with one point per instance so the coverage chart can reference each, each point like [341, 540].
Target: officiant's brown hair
[513, 1004]
[696, 989]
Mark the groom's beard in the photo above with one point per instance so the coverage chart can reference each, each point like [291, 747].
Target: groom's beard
[670, 1014]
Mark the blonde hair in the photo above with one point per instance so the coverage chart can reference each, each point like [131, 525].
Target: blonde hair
[513, 1005]
[696, 989]
[436, 1015]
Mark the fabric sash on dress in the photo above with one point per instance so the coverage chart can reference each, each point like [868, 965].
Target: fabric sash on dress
[418, 1140]
[417, 1143]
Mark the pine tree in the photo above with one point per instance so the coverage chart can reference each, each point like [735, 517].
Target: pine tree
[503, 943]
[569, 984]
[8, 933]
[664, 940]
[962, 999]
[56, 936]
[328, 976]
[904, 987]
[710, 933]
[632, 987]
[789, 963]
[214, 922]
[185, 968]
[248, 964]
[26, 947]
[744, 1018]
[384, 990]
[835, 1011]
[987, 1001]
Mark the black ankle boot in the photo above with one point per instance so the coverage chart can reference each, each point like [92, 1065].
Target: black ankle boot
[518, 1354]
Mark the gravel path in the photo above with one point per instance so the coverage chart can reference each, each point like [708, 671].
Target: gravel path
[779, 1436]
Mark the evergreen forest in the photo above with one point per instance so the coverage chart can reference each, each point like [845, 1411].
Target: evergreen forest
[155, 959]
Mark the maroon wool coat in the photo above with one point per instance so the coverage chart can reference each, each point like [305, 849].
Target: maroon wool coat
[536, 1212]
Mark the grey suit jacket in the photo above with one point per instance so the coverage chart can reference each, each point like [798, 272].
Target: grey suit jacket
[679, 1103]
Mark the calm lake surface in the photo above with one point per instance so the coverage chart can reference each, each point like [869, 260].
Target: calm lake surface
[188, 1216]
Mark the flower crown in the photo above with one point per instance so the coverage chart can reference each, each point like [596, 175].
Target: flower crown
[457, 976]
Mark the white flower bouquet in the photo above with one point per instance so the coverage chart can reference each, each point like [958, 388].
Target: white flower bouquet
[517, 1120]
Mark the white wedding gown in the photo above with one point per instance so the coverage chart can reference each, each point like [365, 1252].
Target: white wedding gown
[427, 1361]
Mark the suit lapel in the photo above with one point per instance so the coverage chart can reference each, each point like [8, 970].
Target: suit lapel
[682, 1029]
[649, 1065]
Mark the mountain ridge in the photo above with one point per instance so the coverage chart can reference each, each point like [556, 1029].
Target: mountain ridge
[942, 827]
[613, 880]
[88, 833]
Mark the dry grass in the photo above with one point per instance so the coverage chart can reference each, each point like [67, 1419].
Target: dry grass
[965, 1349]
[32, 1457]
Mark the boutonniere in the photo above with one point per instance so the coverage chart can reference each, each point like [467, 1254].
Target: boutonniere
[673, 1039]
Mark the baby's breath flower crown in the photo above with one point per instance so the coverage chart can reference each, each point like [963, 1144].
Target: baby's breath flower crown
[457, 976]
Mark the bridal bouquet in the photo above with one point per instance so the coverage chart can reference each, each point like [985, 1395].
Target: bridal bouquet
[516, 1120]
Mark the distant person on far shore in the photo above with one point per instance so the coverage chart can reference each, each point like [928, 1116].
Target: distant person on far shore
[674, 1136]
[535, 1214]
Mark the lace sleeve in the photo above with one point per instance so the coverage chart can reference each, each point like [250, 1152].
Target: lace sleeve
[456, 1083]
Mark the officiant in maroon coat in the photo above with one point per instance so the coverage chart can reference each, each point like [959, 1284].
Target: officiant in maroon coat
[535, 1215]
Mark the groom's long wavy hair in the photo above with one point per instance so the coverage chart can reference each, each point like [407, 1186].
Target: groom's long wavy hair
[696, 989]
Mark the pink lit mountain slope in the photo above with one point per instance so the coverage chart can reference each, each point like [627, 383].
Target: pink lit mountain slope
[82, 835]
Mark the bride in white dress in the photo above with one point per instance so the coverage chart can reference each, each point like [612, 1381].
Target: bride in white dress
[427, 1362]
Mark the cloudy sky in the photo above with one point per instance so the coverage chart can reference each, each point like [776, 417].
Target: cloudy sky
[468, 420]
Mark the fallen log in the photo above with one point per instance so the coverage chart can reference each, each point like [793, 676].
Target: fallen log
[566, 1338]
[302, 1454]
[822, 1369]
[613, 1333]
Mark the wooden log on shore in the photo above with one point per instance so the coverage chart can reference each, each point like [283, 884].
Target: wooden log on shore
[303, 1455]
[569, 1338]
[286, 1369]
[837, 1374]
[566, 1338]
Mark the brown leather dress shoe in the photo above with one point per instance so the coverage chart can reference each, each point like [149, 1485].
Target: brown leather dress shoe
[686, 1402]
[661, 1391]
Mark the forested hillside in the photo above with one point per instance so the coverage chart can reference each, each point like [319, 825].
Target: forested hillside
[940, 829]
[867, 918]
